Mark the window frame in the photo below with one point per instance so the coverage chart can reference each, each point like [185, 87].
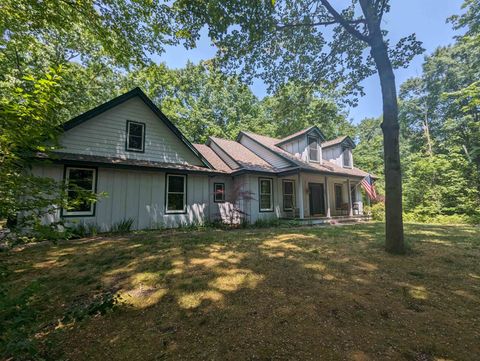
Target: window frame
[294, 201]
[347, 151]
[127, 139]
[271, 208]
[215, 200]
[184, 210]
[335, 186]
[310, 149]
[91, 213]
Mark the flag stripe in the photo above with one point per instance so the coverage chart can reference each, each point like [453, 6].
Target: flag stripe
[367, 184]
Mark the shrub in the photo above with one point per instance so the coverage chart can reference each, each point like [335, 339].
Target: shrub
[123, 226]
[378, 211]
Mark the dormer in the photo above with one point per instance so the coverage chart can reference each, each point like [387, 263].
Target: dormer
[305, 144]
[339, 151]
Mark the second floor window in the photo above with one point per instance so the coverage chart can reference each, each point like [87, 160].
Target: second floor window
[135, 136]
[347, 158]
[313, 149]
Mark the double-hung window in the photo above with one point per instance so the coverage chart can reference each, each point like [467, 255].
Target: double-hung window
[219, 192]
[265, 194]
[135, 136]
[176, 193]
[313, 149]
[288, 195]
[347, 158]
[81, 184]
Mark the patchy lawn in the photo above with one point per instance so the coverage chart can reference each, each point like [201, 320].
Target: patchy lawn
[286, 293]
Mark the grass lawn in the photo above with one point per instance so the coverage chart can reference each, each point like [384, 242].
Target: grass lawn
[327, 293]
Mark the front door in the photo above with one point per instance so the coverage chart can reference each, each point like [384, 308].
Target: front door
[317, 202]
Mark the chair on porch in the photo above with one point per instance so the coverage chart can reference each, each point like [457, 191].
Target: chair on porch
[344, 209]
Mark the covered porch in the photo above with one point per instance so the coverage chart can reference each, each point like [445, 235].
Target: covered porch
[322, 198]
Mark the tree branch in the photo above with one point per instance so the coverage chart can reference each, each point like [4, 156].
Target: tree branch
[344, 22]
[321, 23]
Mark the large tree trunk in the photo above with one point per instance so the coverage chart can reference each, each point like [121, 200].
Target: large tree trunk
[393, 177]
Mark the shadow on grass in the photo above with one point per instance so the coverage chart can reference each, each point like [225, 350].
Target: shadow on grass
[328, 292]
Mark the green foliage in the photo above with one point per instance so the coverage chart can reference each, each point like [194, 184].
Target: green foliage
[16, 319]
[377, 211]
[123, 226]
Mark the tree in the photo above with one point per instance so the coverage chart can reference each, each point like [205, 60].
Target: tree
[287, 40]
[296, 106]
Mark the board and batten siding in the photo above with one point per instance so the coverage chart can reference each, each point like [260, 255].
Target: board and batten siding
[265, 154]
[334, 154]
[105, 135]
[136, 194]
[297, 147]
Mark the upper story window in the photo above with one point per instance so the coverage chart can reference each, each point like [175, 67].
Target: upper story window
[347, 158]
[313, 151]
[135, 136]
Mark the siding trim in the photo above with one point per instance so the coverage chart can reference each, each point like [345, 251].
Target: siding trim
[136, 92]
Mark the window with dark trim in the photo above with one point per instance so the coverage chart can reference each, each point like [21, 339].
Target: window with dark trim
[313, 149]
[265, 192]
[80, 182]
[219, 192]
[338, 196]
[176, 193]
[347, 158]
[135, 136]
[288, 195]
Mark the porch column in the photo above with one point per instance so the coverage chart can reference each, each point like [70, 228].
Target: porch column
[301, 212]
[327, 199]
[350, 204]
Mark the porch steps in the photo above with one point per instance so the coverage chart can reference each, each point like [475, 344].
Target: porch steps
[332, 220]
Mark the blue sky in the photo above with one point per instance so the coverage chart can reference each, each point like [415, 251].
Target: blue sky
[426, 18]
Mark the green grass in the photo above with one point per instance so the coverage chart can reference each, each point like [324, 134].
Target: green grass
[274, 293]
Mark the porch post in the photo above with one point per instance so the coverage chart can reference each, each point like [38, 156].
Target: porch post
[327, 199]
[301, 212]
[350, 204]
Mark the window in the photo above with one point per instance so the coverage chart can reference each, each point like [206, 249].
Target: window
[219, 192]
[338, 196]
[176, 195]
[266, 195]
[288, 195]
[347, 158]
[313, 149]
[80, 182]
[135, 136]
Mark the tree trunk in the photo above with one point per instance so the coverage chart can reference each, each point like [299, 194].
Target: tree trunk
[394, 242]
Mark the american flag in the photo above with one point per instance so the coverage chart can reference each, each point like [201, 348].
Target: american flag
[367, 184]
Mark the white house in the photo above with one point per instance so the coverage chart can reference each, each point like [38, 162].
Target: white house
[128, 149]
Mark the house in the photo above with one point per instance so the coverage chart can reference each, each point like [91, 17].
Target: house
[128, 149]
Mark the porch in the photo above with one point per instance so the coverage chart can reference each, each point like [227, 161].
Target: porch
[324, 198]
[312, 221]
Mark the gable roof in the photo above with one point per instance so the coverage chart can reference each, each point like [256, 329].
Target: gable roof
[136, 92]
[212, 157]
[301, 133]
[343, 140]
[243, 156]
[326, 166]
